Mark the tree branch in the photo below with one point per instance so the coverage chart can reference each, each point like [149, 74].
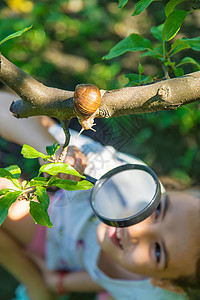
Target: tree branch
[37, 99]
[168, 94]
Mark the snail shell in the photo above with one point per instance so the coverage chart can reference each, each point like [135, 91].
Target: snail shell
[87, 98]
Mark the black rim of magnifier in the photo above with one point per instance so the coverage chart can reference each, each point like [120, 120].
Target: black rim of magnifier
[136, 218]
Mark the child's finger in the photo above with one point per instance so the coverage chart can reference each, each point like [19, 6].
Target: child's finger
[77, 160]
[79, 166]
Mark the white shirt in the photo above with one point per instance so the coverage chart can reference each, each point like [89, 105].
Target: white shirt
[72, 243]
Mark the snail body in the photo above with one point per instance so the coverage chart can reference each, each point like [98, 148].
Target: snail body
[87, 98]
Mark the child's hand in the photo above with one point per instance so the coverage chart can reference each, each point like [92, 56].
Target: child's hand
[50, 277]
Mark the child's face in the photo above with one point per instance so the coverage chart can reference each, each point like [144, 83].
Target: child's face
[165, 245]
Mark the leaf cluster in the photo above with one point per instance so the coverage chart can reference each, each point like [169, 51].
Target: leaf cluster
[35, 190]
[68, 40]
[163, 50]
[153, 137]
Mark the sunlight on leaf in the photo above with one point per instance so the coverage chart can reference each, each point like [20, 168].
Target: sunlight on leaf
[173, 24]
[16, 34]
[14, 170]
[38, 181]
[71, 185]
[51, 150]
[55, 168]
[6, 174]
[30, 152]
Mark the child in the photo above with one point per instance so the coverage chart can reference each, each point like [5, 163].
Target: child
[127, 262]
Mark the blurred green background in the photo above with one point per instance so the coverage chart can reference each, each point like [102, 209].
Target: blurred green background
[65, 47]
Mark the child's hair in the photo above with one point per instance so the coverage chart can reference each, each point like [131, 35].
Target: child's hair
[190, 284]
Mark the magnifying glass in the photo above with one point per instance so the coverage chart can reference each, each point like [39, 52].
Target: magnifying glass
[126, 195]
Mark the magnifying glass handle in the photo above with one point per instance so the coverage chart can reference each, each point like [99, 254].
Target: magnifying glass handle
[90, 178]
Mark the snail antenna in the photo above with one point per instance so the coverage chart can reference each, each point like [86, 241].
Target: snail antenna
[82, 129]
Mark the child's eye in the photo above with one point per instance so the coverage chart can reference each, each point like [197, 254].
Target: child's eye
[158, 211]
[158, 252]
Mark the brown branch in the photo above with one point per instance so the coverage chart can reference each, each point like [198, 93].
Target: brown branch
[37, 99]
[163, 95]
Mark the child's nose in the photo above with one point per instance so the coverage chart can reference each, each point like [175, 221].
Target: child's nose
[143, 230]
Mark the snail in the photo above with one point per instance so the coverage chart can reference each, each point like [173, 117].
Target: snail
[87, 98]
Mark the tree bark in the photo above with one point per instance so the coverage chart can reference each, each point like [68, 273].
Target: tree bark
[168, 94]
[38, 99]
[35, 98]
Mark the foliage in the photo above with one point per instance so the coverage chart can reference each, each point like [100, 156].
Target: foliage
[160, 50]
[65, 40]
[56, 26]
[181, 125]
[65, 47]
[14, 35]
[35, 190]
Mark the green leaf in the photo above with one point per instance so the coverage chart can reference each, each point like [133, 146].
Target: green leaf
[38, 181]
[140, 69]
[146, 79]
[71, 185]
[194, 43]
[24, 183]
[30, 152]
[133, 42]
[173, 24]
[14, 35]
[178, 72]
[141, 6]
[42, 196]
[184, 43]
[156, 31]
[178, 46]
[39, 214]
[5, 203]
[6, 174]
[188, 60]
[135, 80]
[51, 150]
[156, 53]
[122, 3]
[171, 5]
[16, 183]
[169, 63]
[6, 191]
[14, 170]
[55, 168]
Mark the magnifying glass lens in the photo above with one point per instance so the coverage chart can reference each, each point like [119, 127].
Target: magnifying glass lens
[126, 195]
